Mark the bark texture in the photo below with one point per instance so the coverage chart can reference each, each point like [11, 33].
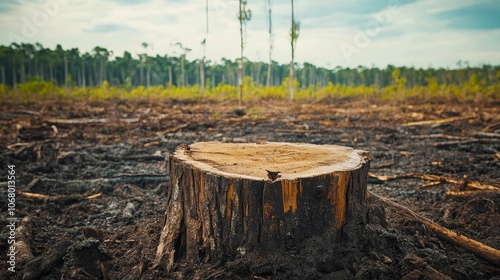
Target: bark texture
[280, 195]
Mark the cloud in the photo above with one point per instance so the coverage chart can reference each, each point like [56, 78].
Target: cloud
[105, 28]
[420, 33]
[131, 2]
[476, 16]
[8, 5]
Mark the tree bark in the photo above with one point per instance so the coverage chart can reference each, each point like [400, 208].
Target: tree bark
[226, 199]
[202, 77]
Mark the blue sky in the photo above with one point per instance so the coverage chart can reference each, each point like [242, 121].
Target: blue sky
[418, 33]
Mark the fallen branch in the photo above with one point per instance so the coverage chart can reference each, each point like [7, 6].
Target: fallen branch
[430, 184]
[472, 193]
[172, 129]
[429, 177]
[306, 131]
[454, 143]
[475, 247]
[94, 196]
[382, 165]
[439, 135]
[441, 121]
[29, 112]
[30, 195]
[89, 121]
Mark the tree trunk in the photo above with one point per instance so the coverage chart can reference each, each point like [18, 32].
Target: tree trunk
[148, 77]
[269, 66]
[3, 75]
[23, 73]
[14, 74]
[268, 79]
[83, 74]
[183, 73]
[65, 72]
[202, 77]
[292, 77]
[257, 80]
[51, 73]
[170, 76]
[240, 81]
[227, 199]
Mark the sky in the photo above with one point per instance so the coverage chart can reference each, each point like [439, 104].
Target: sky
[345, 33]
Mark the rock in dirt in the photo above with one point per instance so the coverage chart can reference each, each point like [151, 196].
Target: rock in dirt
[46, 262]
[86, 260]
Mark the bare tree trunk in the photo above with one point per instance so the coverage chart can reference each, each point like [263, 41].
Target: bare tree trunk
[14, 74]
[148, 77]
[292, 74]
[102, 73]
[3, 74]
[23, 73]
[243, 17]
[257, 81]
[83, 75]
[293, 39]
[268, 80]
[183, 74]
[65, 72]
[170, 75]
[240, 81]
[51, 72]
[269, 66]
[202, 77]
[79, 77]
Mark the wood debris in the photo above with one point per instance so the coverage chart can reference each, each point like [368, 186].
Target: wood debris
[440, 121]
[471, 245]
[472, 184]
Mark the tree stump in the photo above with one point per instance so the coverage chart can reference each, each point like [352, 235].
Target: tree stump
[226, 199]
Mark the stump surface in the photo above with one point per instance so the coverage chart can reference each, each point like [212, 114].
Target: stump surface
[254, 160]
[226, 199]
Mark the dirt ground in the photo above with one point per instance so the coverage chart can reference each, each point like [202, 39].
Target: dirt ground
[91, 180]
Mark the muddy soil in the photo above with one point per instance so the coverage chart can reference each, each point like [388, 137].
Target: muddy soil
[91, 180]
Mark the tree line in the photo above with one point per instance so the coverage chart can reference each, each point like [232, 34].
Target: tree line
[24, 62]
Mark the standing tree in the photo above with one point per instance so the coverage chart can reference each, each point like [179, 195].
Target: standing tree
[202, 68]
[244, 16]
[4, 54]
[183, 59]
[146, 63]
[294, 35]
[15, 57]
[271, 39]
[101, 55]
[202, 63]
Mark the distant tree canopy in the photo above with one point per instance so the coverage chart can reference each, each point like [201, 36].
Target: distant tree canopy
[20, 63]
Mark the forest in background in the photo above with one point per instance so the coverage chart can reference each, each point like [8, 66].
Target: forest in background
[31, 68]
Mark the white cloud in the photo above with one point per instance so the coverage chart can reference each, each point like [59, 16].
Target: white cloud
[411, 37]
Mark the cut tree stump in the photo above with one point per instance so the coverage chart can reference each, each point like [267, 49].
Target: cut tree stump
[227, 199]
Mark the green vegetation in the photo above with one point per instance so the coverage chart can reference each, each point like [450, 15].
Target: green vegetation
[32, 72]
[37, 90]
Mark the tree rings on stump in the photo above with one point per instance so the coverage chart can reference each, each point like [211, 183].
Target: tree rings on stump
[226, 199]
